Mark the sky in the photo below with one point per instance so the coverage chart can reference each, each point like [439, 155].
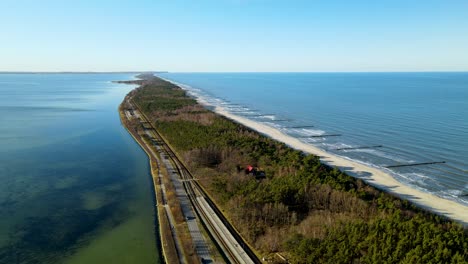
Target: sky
[233, 35]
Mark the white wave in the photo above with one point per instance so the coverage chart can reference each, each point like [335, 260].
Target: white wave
[239, 109]
[416, 175]
[306, 131]
[275, 125]
[312, 132]
[337, 145]
[454, 192]
[380, 154]
[410, 179]
[372, 152]
[418, 178]
[271, 117]
[364, 163]
[247, 112]
[313, 140]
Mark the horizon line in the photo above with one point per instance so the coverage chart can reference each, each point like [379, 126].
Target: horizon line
[155, 72]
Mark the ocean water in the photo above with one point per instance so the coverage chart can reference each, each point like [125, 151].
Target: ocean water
[414, 117]
[74, 186]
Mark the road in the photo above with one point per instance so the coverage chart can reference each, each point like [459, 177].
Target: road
[195, 205]
[234, 247]
[199, 242]
[194, 202]
[170, 217]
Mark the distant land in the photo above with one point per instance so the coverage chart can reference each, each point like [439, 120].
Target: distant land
[78, 72]
[159, 72]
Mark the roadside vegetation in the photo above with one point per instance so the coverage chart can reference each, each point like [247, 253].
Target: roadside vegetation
[308, 212]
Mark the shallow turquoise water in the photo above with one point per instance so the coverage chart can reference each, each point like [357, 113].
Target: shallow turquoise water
[74, 186]
[416, 117]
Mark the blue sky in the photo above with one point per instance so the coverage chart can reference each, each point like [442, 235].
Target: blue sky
[234, 35]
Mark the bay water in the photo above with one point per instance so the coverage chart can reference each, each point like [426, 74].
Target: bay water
[74, 186]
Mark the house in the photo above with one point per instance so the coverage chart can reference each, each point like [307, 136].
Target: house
[251, 170]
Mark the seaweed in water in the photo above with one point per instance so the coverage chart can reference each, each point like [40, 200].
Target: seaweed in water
[47, 239]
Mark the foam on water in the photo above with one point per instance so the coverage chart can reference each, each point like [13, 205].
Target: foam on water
[381, 154]
[271, 124]
[337, 145]
[419, 178]
[247, 112]
[306, 131]
[270, 117]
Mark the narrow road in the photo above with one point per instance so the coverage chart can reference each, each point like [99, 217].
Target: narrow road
[170, 217]
[201, 246]
[194, 203]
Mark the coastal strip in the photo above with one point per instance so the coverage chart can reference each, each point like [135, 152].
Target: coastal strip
[234, 249]
[283, 200]
[167, 237]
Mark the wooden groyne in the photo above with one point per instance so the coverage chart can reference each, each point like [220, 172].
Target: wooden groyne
[260, 115]
[362, 147]
[242, 111]
[415, 164]
[319, 136]
[300, 127]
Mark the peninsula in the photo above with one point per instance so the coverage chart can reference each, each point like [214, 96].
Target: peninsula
[286, 204]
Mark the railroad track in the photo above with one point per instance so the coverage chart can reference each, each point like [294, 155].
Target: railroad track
[227, 238]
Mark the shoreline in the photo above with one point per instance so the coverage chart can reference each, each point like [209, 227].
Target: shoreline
[373, 176]
[167, 245]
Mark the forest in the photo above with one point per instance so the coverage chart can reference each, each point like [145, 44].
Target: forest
[305, 210]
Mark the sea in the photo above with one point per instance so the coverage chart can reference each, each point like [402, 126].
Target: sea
[377, 119]
[74, 185]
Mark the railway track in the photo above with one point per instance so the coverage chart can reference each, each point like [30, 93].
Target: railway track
[228, 239]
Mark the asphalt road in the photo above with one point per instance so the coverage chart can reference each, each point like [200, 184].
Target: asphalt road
[199, 241]
[233, 250]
